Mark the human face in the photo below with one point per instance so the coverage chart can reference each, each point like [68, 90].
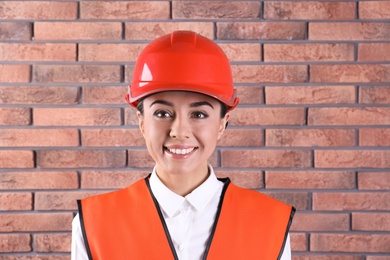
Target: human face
[181, 130]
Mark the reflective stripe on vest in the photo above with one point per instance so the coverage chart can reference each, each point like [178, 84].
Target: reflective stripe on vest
[128, 224]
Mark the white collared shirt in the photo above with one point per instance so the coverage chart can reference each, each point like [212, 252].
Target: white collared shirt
[189, 219]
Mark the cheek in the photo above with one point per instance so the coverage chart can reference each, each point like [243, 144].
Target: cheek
[154, 132]
[210, 134]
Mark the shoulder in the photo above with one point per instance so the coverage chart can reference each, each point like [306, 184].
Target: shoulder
[252, 197]
[117, 194]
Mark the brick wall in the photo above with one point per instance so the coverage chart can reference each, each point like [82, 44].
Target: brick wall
[313, 127]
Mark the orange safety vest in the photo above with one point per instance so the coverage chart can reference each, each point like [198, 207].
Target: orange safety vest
[128, 224]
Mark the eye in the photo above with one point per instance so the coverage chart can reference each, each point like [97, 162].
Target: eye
[199, 114]
[162, 114]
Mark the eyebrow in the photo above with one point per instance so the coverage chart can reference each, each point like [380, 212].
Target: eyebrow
[195, 104]
[201, 103]
[163, 102]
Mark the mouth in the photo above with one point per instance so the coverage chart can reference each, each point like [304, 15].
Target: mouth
[180, 152]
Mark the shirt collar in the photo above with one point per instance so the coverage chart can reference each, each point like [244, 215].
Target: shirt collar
[171, 202]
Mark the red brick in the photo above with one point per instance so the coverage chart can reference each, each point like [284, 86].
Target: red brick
[111, 137]
[131, 117]
[265, 158]
[245, 179]
[110, 179]
[15, 243]
[104, 95]
[279, 10]
[269, 73]
[348, 31]
[320, 222]
[250, 94]
[214, 159]
[39, 137]
[310, 137]
[35, 257]
[350, 73]
[15, 31]
[299, 200]
[374, 137]
[310, 179]
[81, 158]
[16, 159]
[15, 73]
[215, 10]
[351, 201]
[40, 10]
[242, 51]
[241, 137]
[349, 116]
[310, 95]
[37, 52]
[374, 180]
[370, 221]
[151, 30]
[30, 222]
[377, 243]
[298, 242]
[51, 201]
[77, 73]
[321, 256]
[374, 52]
[106, 53]
[129, 70]
[15, 201]
[60, 200]
[352, 159]
[140, 159]
[377, 257]
[52, 242]
[15, 116]
[308, 52]
[38, 180]
[126, 10]
[39, 95]
[374, 94]
[77, 31]
[268, 116]
[76, 116]
[374, 10]
[261, 30]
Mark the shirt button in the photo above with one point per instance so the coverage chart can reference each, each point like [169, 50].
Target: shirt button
[181, 247]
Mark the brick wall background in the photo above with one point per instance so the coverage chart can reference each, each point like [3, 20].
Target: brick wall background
[313, 127]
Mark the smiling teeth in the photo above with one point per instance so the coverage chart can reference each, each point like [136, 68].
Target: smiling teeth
[181, 151]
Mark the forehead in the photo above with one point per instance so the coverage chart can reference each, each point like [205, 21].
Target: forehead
[181, 97]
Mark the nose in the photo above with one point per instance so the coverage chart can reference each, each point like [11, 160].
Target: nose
[180, 128]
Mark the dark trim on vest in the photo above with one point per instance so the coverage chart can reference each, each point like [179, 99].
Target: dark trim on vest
[162, 219]
[226, 182]
[83, 230]
[292, 213]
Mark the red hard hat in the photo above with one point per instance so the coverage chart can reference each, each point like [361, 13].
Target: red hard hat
[183, 61]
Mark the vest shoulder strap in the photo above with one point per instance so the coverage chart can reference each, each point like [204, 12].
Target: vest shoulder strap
[250, 225]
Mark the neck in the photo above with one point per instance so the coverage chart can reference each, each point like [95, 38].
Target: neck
[183, 184]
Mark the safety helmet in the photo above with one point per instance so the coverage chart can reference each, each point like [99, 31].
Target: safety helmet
[183, 61]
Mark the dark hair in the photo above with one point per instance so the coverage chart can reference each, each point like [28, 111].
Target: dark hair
[224, 108]
[140, 106]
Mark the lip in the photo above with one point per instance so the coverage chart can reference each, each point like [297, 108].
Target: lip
[180, 147]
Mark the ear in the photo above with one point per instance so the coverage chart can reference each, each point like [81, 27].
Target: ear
[223, 125]
[141, 122]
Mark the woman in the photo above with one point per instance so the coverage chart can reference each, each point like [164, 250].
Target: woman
[182, 89]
